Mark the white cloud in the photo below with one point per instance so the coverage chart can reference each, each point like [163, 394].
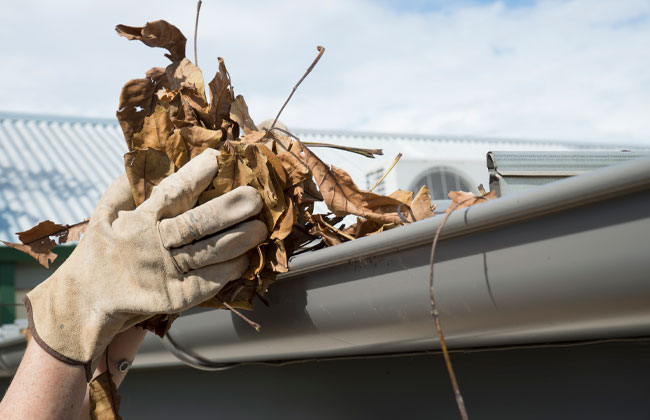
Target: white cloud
[558, 69]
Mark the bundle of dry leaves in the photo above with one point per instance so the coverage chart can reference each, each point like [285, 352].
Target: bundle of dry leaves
[167, 120]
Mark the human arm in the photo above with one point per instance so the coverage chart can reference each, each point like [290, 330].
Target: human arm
[44, 388]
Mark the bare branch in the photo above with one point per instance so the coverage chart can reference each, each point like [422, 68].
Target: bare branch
[397, 158]
[196, 30]
[436, 316]
[321, 50]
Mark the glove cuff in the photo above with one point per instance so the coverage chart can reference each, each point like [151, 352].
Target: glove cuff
[50, 350]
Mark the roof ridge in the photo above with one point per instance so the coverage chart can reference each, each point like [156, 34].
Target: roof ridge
[19, 116]
[54, 118]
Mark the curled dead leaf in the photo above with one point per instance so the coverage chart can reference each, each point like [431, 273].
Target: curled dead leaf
[160, 34]
[421, 204]
[221, 94]
[138, 100]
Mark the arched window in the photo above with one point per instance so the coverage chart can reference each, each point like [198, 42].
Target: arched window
[440, 181]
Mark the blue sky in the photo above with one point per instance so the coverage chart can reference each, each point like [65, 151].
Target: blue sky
[571, 69]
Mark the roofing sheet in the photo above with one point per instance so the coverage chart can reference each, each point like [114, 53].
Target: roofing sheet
[57, 167]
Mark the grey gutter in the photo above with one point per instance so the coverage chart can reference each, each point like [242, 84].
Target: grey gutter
[586, 189]
[563, 262]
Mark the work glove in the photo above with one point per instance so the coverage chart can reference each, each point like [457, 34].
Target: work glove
[132, 263]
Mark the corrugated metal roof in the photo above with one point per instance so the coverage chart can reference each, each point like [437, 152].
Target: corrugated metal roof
[54, 170]
[57, 167]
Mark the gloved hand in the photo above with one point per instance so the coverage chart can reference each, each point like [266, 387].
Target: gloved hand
[133, 263]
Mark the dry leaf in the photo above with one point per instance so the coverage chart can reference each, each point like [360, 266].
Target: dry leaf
[343, 197]
[421, 204]
[156, 128]
[198, 139]
[145, 168]
[176, 149]
[253, 136]
[265, 181]
[233, 172]
[157, 34]
[286, 221]
[277, 258]
[462, 199]
[181, 112]
[221, 94]
[184, 74]
[296, 169]
[405, 197]
[328, 233]
[39, 249]
[239, 114]
[104, 401]
[138, 100]
[39, 240]
[159, 324]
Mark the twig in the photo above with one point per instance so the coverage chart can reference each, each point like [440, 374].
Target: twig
[321, 50]
[253, 324]
[288, 133]
[196, 30]
[436, 316]
[397, 158]
[370, 153]
[110, 386]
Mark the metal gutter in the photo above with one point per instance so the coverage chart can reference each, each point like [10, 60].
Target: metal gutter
[567, 261]
[563, 262]
[573, 192]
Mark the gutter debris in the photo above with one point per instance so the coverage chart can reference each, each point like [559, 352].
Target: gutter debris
[167, 120]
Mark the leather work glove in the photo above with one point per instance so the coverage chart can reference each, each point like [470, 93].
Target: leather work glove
[132, 263]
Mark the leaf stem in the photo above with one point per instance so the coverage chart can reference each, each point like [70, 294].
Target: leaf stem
[253, 324]
[321, 50]
[370, 153]
[111, 384]
[196, 30]
[397, 158]
[436, 317]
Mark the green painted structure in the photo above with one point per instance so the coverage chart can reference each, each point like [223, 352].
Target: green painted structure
[19, 271]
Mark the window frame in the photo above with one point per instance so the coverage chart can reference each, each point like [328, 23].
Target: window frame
[443, 170]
